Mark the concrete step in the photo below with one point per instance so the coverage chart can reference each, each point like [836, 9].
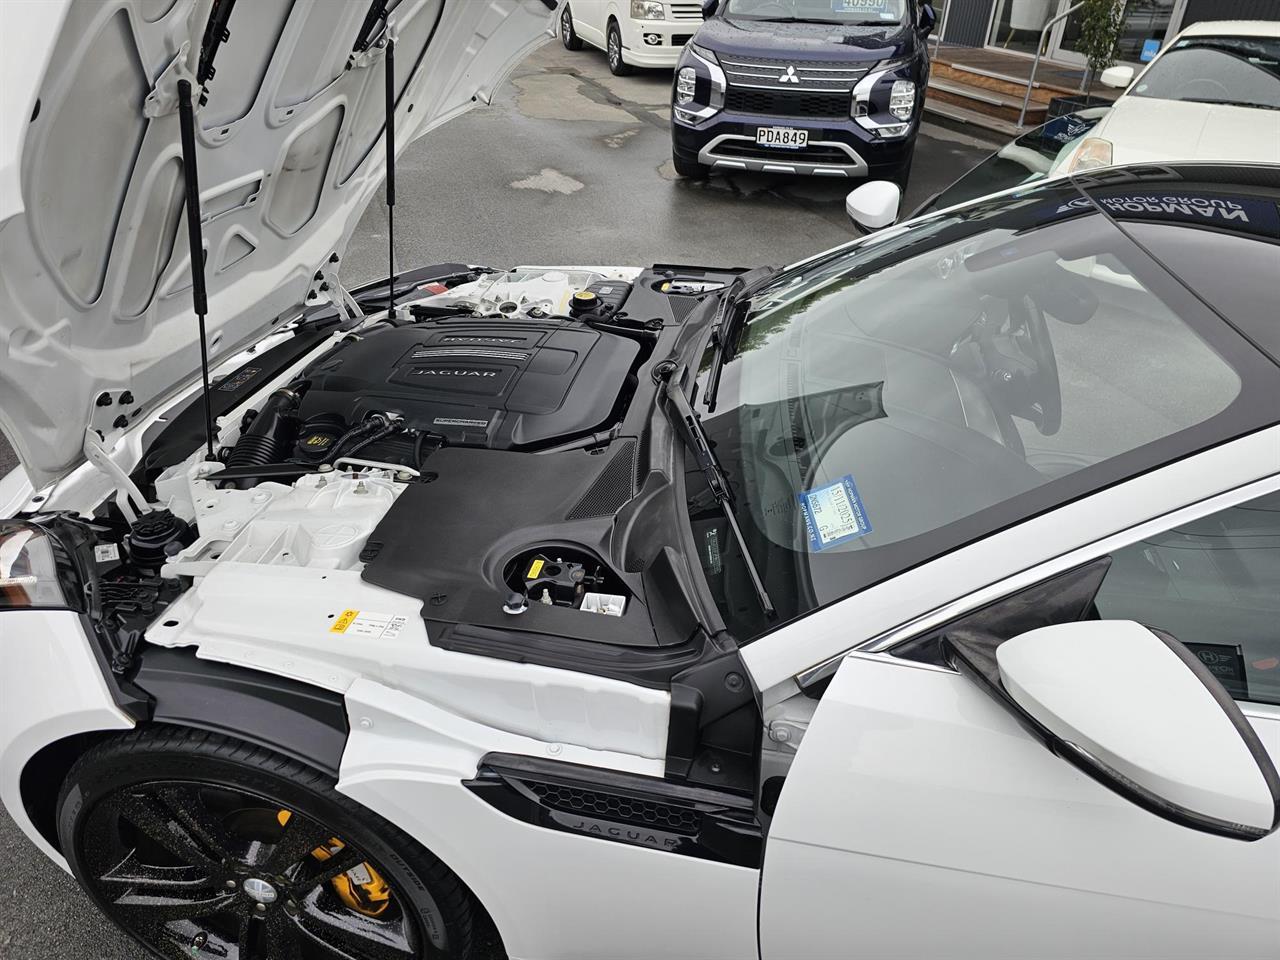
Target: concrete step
[992, 103]
[1006, 82]
[959, 117]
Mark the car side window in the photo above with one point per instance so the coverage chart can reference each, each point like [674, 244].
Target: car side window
[1214, 583]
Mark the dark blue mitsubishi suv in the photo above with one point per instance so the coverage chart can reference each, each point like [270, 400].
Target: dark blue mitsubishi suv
[824, 87]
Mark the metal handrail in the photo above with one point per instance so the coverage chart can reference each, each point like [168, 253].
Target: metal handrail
[942, 27]
[1031, 81]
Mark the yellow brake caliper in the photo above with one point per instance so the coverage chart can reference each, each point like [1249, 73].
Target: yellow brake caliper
[361, 888]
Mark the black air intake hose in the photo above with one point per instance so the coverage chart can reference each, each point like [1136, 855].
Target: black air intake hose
[271, 433]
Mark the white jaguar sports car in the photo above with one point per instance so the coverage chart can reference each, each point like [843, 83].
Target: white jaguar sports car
[918, 600]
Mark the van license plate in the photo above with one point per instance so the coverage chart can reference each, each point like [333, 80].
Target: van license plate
[788, 138]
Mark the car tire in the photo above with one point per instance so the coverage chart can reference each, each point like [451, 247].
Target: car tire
[568, 36]
[613, 50]
[689, 169]
[166, 827]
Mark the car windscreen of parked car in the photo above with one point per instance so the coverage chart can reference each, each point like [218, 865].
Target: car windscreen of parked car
[1037, 154]
[819, 11]
[890, 402]
[1239, 71]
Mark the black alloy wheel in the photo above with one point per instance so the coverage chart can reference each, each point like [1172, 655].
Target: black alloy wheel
[568, 36]
[199, 846]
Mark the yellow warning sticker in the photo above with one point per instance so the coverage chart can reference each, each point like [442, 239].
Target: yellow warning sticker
[345, 619]
[370, 625]
[535, 568]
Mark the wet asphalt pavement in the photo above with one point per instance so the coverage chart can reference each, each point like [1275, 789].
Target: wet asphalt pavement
[570, 165]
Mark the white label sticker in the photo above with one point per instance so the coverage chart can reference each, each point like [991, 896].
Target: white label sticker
[106, 552]
[365, 623]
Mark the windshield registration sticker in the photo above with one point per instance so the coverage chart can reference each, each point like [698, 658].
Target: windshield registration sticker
[884, 9]
[833, 514]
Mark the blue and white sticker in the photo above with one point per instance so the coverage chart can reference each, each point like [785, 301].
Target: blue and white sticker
[877, 8]
[833, 514]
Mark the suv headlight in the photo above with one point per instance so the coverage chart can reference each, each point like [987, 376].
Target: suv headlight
[647, 10]
[30, 573]
[686, 85]
[902, 99]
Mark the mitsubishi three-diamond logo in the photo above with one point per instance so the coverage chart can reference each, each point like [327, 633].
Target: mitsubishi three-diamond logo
[789, 76]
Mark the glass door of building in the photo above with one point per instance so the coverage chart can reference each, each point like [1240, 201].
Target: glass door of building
[1016, 26]
[1147, 26]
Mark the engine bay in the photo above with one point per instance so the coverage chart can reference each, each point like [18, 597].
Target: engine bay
[347, 526]
[481, 449]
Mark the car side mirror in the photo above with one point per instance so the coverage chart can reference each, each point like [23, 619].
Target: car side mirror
[709, 8]
[928, 19]
[1116, 77]
[1137, 711]
[874, 205]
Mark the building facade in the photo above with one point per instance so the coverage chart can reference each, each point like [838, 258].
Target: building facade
[1015, 25]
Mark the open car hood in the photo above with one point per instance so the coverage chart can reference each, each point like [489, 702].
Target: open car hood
[95, 279]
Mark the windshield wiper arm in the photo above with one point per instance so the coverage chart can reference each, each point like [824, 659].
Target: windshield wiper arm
[720, 338]
[690, 429]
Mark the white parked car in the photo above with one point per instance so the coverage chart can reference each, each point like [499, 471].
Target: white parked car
[1212, 94]
[632, 33]
[918, 600]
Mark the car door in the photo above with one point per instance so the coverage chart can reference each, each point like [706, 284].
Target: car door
[588, 20]
[921, 820]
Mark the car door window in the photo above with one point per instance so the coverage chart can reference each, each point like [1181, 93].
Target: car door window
[1213, 583]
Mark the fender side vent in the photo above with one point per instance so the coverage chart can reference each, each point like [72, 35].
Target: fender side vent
[614, 807]
[622, 808]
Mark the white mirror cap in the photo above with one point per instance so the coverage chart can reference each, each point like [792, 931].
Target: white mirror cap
[1117, 77]
[874, 205]
[1121, 693]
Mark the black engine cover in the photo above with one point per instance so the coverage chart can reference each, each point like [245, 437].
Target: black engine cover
[498, 383]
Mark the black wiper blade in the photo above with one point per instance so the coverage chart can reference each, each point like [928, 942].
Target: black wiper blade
[690, 429]
[1231, 103]
[720, 337]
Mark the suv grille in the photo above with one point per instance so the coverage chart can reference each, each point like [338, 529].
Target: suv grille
[772, 103]
[803, 76]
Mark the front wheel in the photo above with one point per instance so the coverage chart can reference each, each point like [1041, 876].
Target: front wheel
[568, 36]
[613, 48]
[201, 846]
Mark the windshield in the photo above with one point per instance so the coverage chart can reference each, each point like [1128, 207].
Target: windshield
[1033, 156]
[1243, 71]
[819, 11]
[890, 402]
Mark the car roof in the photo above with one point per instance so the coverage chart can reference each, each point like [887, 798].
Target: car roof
[1240, 200]
[1232, 28]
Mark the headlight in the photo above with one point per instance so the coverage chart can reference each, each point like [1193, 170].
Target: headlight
[686, 84]
[1092, 153]
[30, 574]
[902, 100]
[647, 10]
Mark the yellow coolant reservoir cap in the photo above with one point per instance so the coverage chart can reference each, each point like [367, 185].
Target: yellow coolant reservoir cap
[582, 302]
